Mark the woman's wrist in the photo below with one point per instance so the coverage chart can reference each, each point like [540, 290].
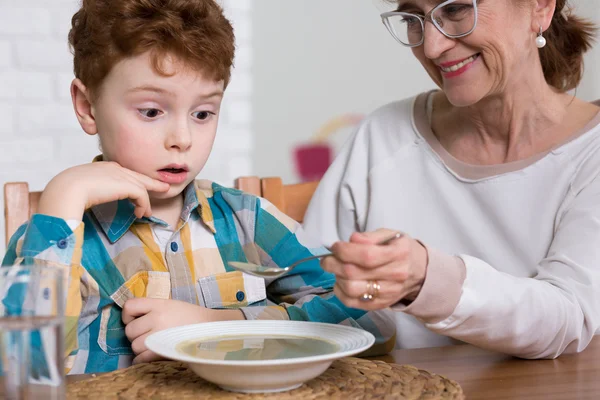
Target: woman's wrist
[419, 268]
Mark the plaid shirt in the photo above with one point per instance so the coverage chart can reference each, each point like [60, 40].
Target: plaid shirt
[115, 257]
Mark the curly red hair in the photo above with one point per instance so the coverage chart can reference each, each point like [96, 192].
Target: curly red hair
[105, 32]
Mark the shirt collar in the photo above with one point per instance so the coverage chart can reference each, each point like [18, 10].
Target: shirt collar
[115, 218]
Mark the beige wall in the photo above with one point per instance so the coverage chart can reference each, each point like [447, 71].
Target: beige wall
[316, 59]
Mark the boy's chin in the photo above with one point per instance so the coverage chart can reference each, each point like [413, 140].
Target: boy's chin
[174, 191]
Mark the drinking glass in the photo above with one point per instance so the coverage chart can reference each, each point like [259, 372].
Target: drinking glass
[32, 301]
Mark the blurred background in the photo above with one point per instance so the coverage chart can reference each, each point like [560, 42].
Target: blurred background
[306, 73]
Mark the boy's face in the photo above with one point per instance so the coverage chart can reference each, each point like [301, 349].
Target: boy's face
[160, 126]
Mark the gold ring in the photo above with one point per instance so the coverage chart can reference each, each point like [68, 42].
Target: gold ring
[373, 288]
[376, 288]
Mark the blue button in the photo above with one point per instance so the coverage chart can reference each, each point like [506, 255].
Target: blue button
[62, 244]
[46, 294]
[240, 296]
[174, 246]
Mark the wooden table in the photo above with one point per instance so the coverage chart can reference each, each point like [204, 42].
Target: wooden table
[487, 375]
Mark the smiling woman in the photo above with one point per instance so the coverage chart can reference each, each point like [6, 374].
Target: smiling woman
[493, 179]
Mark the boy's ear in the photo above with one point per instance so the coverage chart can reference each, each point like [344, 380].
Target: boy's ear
[84, 109]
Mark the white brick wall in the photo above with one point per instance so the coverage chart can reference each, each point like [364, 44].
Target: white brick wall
[39, 135]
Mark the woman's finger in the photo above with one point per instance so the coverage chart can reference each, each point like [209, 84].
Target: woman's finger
[343, 270]
[396, 271]
[377, 303]
[386, 291]
[369, 255]
[372, 237]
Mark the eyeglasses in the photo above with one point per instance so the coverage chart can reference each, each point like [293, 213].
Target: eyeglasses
[453, 18]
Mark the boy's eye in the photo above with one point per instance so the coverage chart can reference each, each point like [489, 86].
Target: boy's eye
[150, 112]
[202, 115]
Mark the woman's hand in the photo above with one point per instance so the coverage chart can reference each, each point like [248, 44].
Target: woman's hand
[390, 273]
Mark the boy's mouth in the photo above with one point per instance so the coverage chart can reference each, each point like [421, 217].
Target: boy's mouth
[173, 174]
[174, 170]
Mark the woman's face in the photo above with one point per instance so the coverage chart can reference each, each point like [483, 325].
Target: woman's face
[500, 53]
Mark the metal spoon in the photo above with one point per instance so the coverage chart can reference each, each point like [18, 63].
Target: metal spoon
[273, 272]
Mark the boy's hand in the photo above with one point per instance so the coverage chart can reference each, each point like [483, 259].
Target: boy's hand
[76, 189]
[143, 316]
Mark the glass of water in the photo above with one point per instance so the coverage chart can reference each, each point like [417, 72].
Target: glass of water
[32, 302]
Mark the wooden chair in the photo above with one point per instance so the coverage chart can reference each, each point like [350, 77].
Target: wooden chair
[19, 205]
[290, 199]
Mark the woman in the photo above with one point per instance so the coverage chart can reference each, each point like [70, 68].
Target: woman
[494, 181]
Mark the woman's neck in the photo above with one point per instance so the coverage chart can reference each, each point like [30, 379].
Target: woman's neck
[523, 121]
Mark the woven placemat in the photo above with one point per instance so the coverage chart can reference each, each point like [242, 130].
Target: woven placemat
[349, 378]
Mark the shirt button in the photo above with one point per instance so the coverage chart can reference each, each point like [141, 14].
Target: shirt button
[240, 296]
[174, 247]
[62, 244]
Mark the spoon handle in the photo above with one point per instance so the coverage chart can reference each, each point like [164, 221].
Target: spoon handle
[397, 235]
[302, 260]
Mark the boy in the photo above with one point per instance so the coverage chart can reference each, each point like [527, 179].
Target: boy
[148, 245]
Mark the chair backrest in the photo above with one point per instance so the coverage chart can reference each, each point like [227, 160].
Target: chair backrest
[249, 184]
[19, 205]
[291, 199]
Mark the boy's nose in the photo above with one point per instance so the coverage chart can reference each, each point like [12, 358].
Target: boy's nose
[180, 138]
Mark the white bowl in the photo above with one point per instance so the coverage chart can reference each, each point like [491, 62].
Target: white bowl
[260, 376]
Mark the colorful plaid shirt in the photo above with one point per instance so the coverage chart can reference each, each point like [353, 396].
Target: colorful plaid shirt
[115, 257]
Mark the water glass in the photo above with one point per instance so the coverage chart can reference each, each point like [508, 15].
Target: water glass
[32, 301]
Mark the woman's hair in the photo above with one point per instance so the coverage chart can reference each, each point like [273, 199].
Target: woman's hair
[567, 39]
[105, 32]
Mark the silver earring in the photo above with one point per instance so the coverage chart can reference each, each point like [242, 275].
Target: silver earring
[540, 40]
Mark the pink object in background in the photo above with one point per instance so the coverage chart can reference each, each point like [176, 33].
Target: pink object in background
[312, 160]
